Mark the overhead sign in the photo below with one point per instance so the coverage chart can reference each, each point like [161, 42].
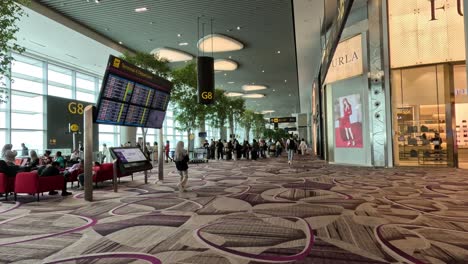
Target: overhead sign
[344, 8]
[131, 96]
[425, 32]
[283, 119]
[347, 61]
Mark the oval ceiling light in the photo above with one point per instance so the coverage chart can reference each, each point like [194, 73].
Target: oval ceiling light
[249, 87]
[225, 65]
[253, 96]
[268, 111]
[220, 43]
[172, 55]
[234, 94]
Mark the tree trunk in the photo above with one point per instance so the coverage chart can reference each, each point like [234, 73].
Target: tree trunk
[231, 124]
[202, 128]
[223, 133]
[247, 134]
[189, 131]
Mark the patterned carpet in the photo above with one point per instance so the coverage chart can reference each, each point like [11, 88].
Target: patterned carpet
[250, 212]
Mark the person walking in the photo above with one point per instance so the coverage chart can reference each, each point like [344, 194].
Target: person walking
[104, 154]
[166, 151]
[303, 147]
[155, 151]
[291, 148]
[181, 159]
[24, 150]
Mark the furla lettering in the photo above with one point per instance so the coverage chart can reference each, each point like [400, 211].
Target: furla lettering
[342, 60]
[443, 7]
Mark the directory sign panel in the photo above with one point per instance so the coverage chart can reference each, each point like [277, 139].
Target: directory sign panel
[131, 96]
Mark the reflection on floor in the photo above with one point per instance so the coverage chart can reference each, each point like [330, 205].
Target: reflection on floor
[251, 212]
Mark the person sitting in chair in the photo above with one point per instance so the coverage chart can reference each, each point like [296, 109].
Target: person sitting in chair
[53, 169]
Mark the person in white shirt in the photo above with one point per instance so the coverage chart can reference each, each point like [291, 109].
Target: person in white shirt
[303, 147]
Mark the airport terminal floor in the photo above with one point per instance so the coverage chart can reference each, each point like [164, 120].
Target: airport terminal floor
[250, 212]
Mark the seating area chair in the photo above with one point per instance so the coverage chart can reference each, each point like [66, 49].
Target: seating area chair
[74, 177]
[7, 184]
[31, 183]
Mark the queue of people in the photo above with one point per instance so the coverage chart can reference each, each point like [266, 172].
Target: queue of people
[234, 150]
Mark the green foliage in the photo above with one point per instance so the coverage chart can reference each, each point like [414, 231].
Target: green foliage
[219, 110]
[258, 125]
[10, 13]
[148, 62]
[188, 113]
[275, 134]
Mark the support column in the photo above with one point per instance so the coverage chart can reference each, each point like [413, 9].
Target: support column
[128, 134]
[161, 156]
[88, 153]
[379, 85]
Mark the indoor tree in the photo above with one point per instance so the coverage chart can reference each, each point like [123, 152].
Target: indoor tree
[236, 108]
[258, 125]
[188, 113]
[10, 13]
[149, 62]
[246, 121]
[218, 113]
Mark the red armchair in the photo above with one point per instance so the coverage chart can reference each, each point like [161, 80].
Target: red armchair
[74, 177]
[105, 172]
[7, 184]
[30, 182]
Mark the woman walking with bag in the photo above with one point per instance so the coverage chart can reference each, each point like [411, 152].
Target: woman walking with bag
[181, 159]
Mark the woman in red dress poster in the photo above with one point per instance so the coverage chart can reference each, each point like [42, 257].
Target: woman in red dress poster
[346, 122]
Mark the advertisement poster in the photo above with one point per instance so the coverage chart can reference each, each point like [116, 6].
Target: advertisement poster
[348, 121]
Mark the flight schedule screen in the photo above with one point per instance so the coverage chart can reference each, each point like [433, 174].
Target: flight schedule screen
[131, 96]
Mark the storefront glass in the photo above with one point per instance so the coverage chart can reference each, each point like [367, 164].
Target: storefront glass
[419, 115]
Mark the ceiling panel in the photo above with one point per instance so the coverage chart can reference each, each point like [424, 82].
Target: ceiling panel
[266, 26]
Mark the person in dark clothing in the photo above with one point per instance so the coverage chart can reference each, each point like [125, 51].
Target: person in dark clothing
[437, 141]
[212, 149]
[9, 170]
[53, 169]
[255, 148]
[181, 159]
[238, 150]
[24, 150]
[34, 161]
[229, 150]
[246, 149]
[220, 147]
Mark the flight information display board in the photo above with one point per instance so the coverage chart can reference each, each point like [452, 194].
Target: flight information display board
[131, 96]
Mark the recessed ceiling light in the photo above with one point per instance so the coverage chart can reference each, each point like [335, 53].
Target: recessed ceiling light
[253, 87]
[234, 94]
[97, 1]
[150, 40]
[231, 82]
[225, 65]
[289, 94]
[256, 96]
[106, 29]
[151, 23]
[285, 80]
[172, 55]
[279, 51]
[183, 44]
[263, 70]
[218, 43]
[274, 90]
[120, 42]
[141, 9]
[225, 74]
[179, 35]
[238, 28]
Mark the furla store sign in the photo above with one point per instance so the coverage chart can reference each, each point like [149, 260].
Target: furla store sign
[425, 32]
[347, 61]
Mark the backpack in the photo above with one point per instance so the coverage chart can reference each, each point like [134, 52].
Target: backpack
[292, 145]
